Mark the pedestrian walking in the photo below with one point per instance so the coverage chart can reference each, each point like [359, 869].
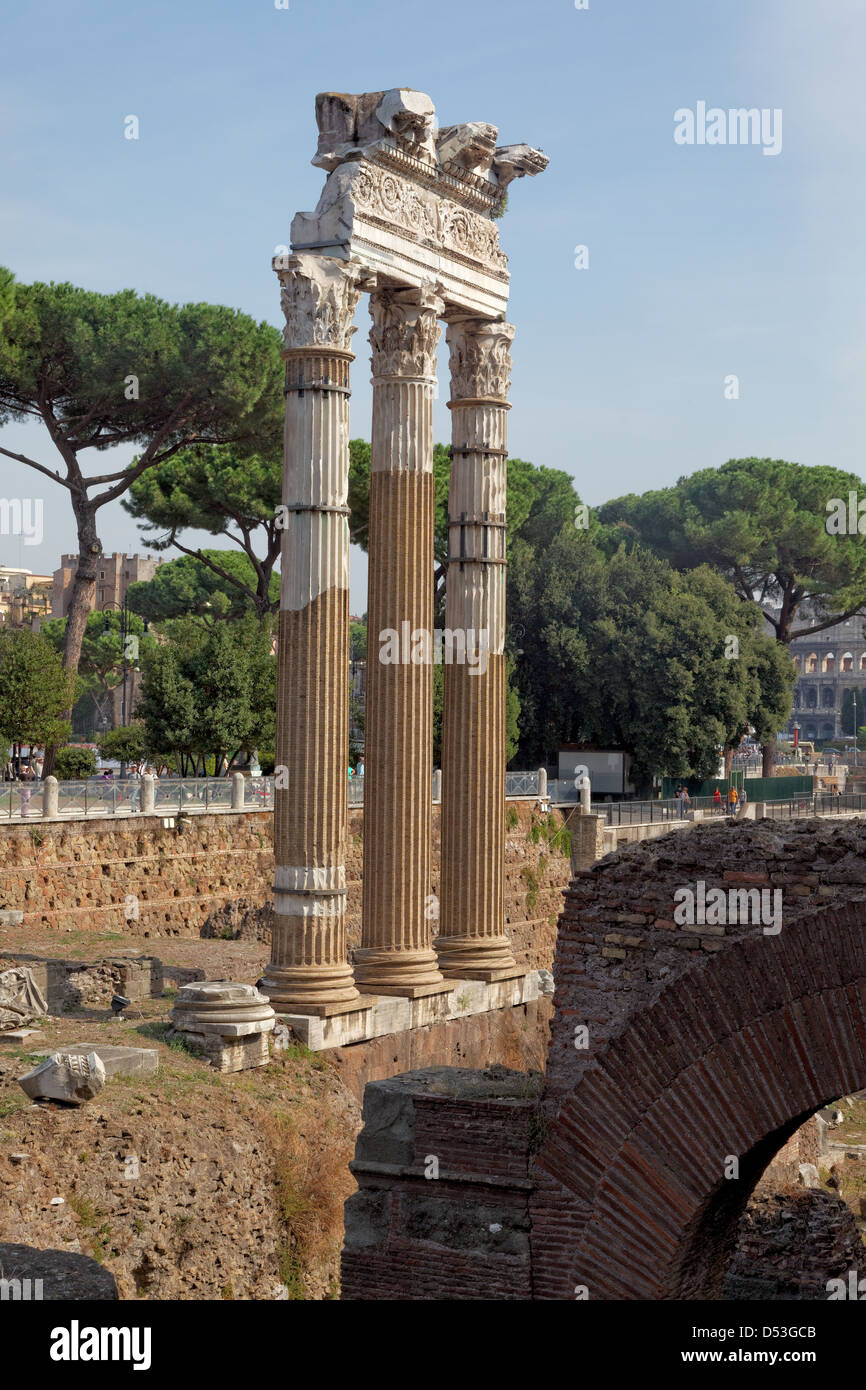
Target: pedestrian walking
[27, 777]
[717, 799]
[733, 800]
[135, 786]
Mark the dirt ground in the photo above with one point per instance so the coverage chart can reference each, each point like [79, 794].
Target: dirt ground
[221, 960]
[187, 1184]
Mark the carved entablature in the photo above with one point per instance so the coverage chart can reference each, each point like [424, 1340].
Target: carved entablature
[436, 220]
[319, 297]
[405, 332]
[410, 205]
[480, 360]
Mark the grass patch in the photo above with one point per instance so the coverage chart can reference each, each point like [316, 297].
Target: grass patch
[100, 1243]
[299, 1052]
[153, 1030]
[182, 1044]
[87, 1212]
[10, 1104]
[528, 876]
[311, 1183]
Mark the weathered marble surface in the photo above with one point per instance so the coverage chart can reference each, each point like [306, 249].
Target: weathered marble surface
[72, 1077]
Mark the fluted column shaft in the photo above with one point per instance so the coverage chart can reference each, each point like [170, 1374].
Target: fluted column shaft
[308, 970]
[472, 943]
[396, 955]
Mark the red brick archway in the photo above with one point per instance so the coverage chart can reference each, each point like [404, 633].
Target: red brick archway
[735, 1054]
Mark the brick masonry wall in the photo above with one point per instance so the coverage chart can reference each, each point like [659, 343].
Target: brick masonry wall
[613, 1125]
[441, 1210]
[701, 1041]
[619, 944]
[143, 878]
[515, 1037]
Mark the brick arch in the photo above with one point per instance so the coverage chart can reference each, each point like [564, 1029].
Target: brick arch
[731, 1058]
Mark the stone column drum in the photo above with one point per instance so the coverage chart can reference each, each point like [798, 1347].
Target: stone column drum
[308, 970]
[396, 955]
[472, 943]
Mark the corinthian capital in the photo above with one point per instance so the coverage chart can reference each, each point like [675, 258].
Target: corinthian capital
[319, 297]
[480, 359]
[405, 332]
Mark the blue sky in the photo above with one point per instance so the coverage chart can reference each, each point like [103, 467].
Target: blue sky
[703, 261]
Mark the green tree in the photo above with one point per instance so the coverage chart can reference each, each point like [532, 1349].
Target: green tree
[167, 706]
[123, 745]
[103, 647]
[100, 370]
[847, 711]
[74, 762]
[215, 587]
[623, 652]
[220, 489]
[35, 690]
[763, 524]
[209, 694]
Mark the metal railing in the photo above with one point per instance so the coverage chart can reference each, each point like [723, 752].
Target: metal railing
[649, 812]
[518, 784]
[93, 797]
[819, 804]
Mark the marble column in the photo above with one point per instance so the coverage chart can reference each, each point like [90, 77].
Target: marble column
[472, 943]
[396, 955]
[308, 970]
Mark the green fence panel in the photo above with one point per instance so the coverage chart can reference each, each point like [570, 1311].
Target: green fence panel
[757, 788]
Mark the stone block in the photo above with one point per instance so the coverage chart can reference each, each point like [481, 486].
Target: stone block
[21, 1000]
[229, 1054]
[73, 1077]
[228, 1022]
[118, 1061]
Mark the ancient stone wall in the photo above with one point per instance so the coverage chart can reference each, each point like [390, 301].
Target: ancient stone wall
[676, 1045]
[441, 1209]
[141, 877]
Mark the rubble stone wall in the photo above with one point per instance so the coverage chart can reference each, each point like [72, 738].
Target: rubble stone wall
[214, 876]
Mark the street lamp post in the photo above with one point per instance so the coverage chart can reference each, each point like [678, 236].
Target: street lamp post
[854, 698]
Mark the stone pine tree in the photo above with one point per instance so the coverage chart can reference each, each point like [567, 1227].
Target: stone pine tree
[771, 528]
[101, 370]
[212, 587]
[218, 488]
